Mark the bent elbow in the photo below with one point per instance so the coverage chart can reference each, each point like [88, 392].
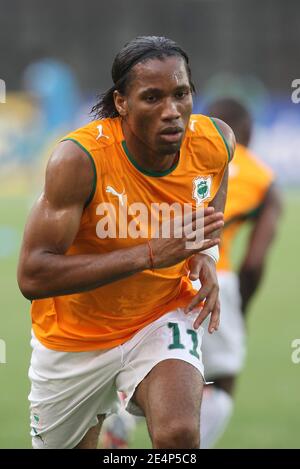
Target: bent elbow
[32, 275]
[27, 289]
[28, 282]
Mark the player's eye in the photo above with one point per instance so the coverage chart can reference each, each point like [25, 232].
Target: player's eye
[181, 94]
[151, 98]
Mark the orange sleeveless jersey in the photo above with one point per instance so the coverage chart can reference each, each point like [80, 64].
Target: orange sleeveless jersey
[110, 315]
[249, 181]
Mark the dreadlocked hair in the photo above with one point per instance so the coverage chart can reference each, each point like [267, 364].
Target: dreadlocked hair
[138, 50]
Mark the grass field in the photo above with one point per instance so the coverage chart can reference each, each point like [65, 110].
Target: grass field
[267, 407]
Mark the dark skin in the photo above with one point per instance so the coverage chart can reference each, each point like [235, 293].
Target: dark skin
[161, 109]
[166, 104]
[261, 238]
[45, 270]
[205, 269]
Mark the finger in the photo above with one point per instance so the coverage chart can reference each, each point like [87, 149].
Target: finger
[215, 216]
[207, 309]
[202, 220]
[214, 318]
[199, 246]
[203, 212]
[193, 304]
[214, 311]
[206, 210]
[200, 318]
[213, 226]
[201, 229]
[194, 266]
[202, 232]
[219, 307]
[201, 295]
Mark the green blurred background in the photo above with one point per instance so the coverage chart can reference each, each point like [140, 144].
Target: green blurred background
[267, 397]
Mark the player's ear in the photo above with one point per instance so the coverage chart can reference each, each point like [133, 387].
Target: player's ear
[120, 103]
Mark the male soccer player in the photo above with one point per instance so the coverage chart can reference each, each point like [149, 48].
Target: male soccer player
[113, 308]
[252, 196]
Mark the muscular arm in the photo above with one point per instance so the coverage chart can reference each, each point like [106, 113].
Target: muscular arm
[220, 199]
[44, 269]
[202, 266]
[261, 238]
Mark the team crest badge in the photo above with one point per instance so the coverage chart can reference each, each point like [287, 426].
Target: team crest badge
[201, 189]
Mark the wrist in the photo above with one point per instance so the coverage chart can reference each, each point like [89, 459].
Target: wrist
[141, 260]
[144, 257]
[213, 253]
[150, 255]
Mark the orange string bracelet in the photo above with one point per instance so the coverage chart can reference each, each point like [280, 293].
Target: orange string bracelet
[151, 256]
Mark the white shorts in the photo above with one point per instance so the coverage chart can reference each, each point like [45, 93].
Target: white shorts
[224, 351]
[69, 389]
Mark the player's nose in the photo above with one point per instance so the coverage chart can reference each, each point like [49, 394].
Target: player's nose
[170, 110]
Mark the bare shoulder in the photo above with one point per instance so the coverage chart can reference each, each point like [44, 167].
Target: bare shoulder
[70, 175]
[228, 134]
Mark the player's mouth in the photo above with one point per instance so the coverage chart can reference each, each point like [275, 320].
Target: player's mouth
[171, 134]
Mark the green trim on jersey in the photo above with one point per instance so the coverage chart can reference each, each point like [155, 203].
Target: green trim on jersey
[147, 172]
[224, 139]
[252, 214]
[94, 169]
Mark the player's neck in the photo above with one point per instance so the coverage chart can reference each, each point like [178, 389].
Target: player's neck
[145, 157]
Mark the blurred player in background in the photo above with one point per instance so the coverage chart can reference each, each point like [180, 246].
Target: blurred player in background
[252, 197]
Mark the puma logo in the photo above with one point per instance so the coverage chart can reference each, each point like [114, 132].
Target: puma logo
[112, 191]
[100, 130]
[192, 125]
